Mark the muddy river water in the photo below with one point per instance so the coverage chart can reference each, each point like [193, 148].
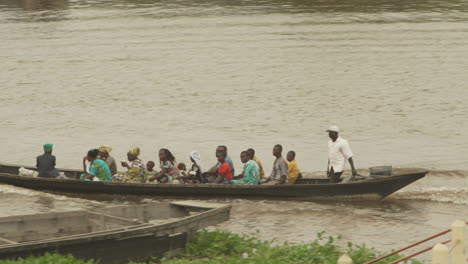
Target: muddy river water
[193, 74]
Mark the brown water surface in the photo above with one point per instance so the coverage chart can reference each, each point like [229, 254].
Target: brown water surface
[191, 75]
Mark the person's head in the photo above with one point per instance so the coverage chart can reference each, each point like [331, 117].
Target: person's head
[92, 155]
[104, 151]
[48, 148]
[221, 156]
[333, 132]
[251, 151]
[245, 156]
[182, 166]
[150, 165]
[166, 155]
[221, 149]
[277, 149]
[195, 157]
[133, 154]
[291, 156]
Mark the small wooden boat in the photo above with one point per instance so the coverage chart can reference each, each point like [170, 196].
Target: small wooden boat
[371, 187]
[113, 235]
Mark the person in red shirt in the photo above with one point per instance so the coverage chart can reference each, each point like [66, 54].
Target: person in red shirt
[224, 171]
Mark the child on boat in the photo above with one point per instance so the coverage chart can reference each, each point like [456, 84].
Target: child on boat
[293, 169]
[150, 171]
[224, 171]
[183, 175]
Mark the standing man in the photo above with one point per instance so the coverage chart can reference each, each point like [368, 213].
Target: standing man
[338, 152]
[45, 163]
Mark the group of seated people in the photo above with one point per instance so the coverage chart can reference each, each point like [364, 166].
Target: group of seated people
[99, 165]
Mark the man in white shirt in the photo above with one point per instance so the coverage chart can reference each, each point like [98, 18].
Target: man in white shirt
[338, 152]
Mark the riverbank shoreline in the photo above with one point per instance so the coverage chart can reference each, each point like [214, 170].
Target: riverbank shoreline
[224, 247]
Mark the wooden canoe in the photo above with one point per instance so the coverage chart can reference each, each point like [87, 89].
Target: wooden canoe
[117, 234]
[375, 188]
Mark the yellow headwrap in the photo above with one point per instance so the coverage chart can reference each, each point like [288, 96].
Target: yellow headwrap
[106, 149]
[135, 151]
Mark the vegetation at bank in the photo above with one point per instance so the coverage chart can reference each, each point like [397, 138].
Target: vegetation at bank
[226, 248]
[49, 259]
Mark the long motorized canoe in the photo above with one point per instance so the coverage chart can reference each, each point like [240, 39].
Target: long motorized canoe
[371, 187]
[117, 234]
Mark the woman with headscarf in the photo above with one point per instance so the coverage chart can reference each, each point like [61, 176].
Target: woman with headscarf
[135, 170]
[110, 161]
[196, 170]
[98, 169]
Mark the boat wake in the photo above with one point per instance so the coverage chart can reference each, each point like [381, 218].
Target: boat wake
[441, 194]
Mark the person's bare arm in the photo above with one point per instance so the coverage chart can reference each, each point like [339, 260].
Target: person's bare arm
[351, 163]
[220, 178]
[84, 165]
[125, 164]
[159, 175]
[89, 176]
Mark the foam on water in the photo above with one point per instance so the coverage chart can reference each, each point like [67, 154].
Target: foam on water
[442, 194]
[18, 201]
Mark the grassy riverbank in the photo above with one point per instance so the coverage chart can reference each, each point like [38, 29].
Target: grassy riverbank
[224, 248]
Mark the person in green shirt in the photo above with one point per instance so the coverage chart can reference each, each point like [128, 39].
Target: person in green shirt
[97, 168]
[251, 172]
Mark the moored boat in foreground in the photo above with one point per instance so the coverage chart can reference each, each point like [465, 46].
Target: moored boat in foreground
[370, 187]
[116, 234]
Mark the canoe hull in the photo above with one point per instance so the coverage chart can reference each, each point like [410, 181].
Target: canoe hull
[133, 240]
[115, 250]
[378, 188]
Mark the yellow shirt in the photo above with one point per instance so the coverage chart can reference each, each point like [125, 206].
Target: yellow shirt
[262, 173]
[294, 171]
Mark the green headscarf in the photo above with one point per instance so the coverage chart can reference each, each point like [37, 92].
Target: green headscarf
[48, 147]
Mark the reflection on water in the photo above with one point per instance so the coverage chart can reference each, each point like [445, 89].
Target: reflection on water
[451, 10]
[35, 5]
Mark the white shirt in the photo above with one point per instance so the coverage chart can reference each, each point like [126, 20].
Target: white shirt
[338, 153]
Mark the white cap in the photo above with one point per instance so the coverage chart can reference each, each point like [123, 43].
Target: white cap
[334, 129]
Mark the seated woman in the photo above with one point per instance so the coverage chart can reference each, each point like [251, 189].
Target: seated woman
[224, 170]
[196, 173]
[110, 161]
[251, 172]
[167, 163]
[135, 171]
[98, 169]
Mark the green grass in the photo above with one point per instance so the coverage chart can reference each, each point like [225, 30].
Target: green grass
[224, 248]
[49, 259]
[227, 248]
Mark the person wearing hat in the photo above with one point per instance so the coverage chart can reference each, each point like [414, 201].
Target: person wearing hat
[110, 161]
[45, 163]
[338, 152]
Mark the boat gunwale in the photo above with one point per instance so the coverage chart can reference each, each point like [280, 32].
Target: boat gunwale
[226, 186]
